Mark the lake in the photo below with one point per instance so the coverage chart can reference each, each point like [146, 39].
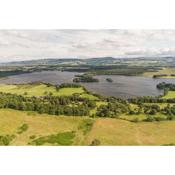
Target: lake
[122, 86]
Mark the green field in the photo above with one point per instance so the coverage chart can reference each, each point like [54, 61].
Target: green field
[140, 117]
[162, 105]
[171, 94]
[41, 90]
[167, 71]
[89, 96]
[60, 130]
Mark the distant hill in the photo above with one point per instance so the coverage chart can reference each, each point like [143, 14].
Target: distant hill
[100, 60]
[96, 61]
[66, 61]
[49, 61]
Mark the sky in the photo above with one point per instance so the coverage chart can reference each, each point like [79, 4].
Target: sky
[17, 45]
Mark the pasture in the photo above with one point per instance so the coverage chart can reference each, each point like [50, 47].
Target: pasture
[170, 94]
[89, 96]
[39, 90]
[167, 71]
[39, 125]
[45, 129]
[120, 132]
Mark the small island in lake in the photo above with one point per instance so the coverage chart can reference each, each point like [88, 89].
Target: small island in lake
[85, 78]
[109, 80]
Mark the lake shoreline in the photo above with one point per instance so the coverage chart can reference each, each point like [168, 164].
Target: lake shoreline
[122, 86]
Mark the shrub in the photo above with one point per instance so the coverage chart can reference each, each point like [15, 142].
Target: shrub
[86, 125]
[136, 120]
[150, 118]
[5, 140]
[22, 128]
[25, 93]
[65, 138]
[32, 137]
[95, 142]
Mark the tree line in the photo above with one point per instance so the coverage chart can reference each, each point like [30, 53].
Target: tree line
[141, 100]
[70, 106]
[169, 86]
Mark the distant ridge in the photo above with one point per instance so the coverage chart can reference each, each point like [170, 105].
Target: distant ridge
[62, 61]
[45, 61]
[87, 61]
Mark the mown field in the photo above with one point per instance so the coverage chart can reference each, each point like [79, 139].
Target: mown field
[167, 71]
[28, 128]
[170, 94]
[41, 89]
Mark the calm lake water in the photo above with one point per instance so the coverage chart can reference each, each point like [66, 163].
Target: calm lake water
[122, 86]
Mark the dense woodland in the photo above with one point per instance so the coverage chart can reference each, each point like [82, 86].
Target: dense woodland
[12, 72]
[64, 105]
[77, 106]
[72, 105]
[122, 69]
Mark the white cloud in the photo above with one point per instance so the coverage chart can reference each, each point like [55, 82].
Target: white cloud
[35, 44]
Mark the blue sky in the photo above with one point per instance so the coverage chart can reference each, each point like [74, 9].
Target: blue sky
[37, 44]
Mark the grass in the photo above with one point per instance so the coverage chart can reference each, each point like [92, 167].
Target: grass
[167, 71]
[38, 90]
[98, 103]
[38, 125]
[65, 138]
[86, 125]
[133, 106]
[120, 132]
[139, 117]
[5, 140]
[60, 130]
[161, 105]
[69, 91]
[89, 96]
[22, 128]
[171, 94]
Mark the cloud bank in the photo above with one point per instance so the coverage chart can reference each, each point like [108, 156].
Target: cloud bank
[38, 44]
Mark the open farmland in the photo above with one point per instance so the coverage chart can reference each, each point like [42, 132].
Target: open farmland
[170, 94]
[120, 132]
[41, 89]
[38, 126]
[167, 71]
[43, 128]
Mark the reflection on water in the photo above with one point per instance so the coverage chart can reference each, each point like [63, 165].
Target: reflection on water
[122, 86]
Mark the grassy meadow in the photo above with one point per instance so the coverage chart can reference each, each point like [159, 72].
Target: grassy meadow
[120, 132]
[167, 71]
[41, 89]
[38, 126]
[170, 94]
[44, 129]
[89, 96]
